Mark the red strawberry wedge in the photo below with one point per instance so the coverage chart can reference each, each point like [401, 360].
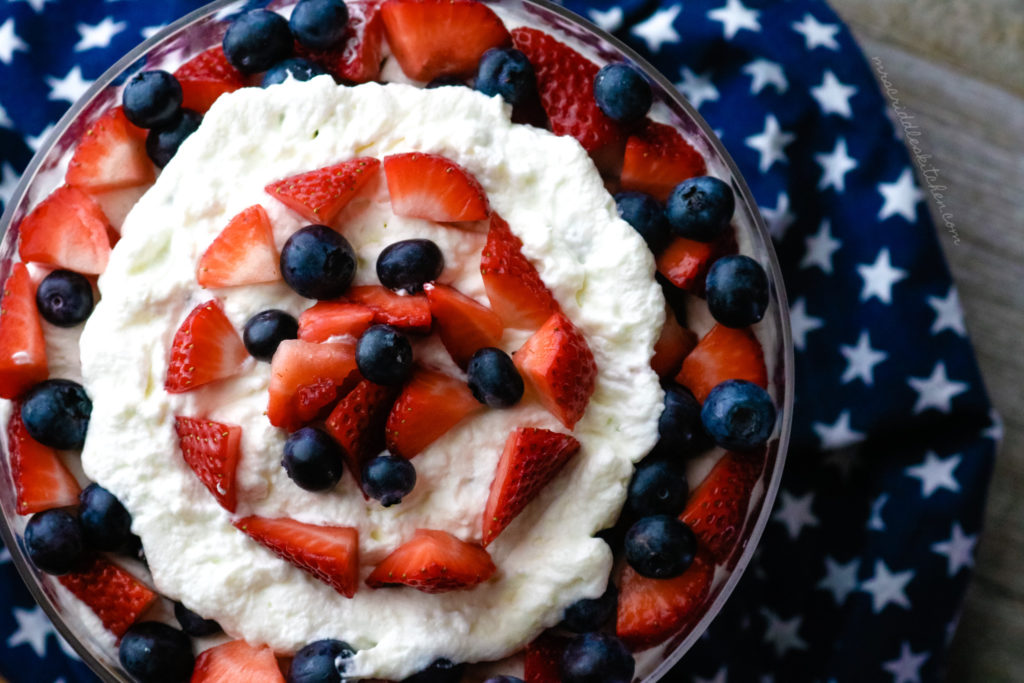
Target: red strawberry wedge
[359, 61]
[432, 187]
[206, 77]
[320, 195]
[68, 230]
[328, 319]
[206, 348]
[717, 508]
[114, 595]
[434, 562]
[212, 450]
[41, 481]
[672, 346]
[432, 38]
[242, 254]
[557, 362]
[513, 286]
[532, 458]
[357, 423]
[408, 312]
[22, 346]
[464, 326]
[330, 553]
[685, 262]
[543, 660]
[723, 353]
[430, 404]
[234, 661]
[111, 156]
[307, 378]
[657, 158]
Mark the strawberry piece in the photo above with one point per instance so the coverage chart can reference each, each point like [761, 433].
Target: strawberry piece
[434, 562]
[330, 553]
[205, 348]
[672, 346]
[41, 481]
[114, 595]
[652, 610]
[464, 325]
[432, 187]
[206, 77]
[543, 659]
[320, 195]
[22, 346]
[717, 508]
[328, 319]
[724, 353]
[211, 449]
[430, 404]
[68, 230]
[234, 661]
[357, 423]
[560, 367]
[658, 158]
[513, 285]
[432, 38]
[242, 254]
[359, 61]
[409, 312]
[685, 263]
[110, 156]
[305, 378]
[532, 457]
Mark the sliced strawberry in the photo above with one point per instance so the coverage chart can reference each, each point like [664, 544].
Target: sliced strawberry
[658, 158]
[330, 553]
[22, 346]
[242, 254]
[359, 61]
[557, 362]
[435, 188]
[409, 312]
[206, 77]
[320, 195]
[724, 353]
[116, 204]
[114, 595]
[357, 423]
[464, 325]
[205, 348]
[514, 288]
[532, 458]
[110, 156]
[432, 38]
[672, 346]
[68, 230]
[543, 660]
[434, 562]
[41, 481]
[306, 378]
[430, 404]
[234, 661]
[717, 508]
[685, 263]
[328, 319]
[211, 449]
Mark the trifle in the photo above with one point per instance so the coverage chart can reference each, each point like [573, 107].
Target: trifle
[392, 341]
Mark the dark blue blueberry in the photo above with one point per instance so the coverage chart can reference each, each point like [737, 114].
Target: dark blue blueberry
[409, 264]
[737, 290]
[388, 478]
[152, 99]
[64, 298]
[507, 72]
[56, 413]
[441, 671]
[384, 355]
[660, 546]
[658, 487]
[312, 459]
[597, 658]
[319, 24]
[55, 542]
[679, 428]
[738, 415]
[105, 522]
[257, 40]
[318, 262]
[153, 652]
[494, 379]
[445, 80]
[295, 67]
[322, 661]
[700, 208]
[265, 331]
[647, 217]
[504, 679]
[622, 93]
[163, 143]
[591, 614]
[194, 624]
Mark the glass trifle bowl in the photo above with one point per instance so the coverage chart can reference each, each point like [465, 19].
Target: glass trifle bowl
[737, 525]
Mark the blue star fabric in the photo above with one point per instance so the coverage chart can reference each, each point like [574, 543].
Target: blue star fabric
[863, 567]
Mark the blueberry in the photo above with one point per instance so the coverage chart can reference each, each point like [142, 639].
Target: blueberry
[504, 679]
[388, 478]
[738, 415]
[322, 661]
[597, 658]
[445, 80]
[319, 24]
[56, 413]
[105, 522]
[494, 379]
[318, 262]
[409, 264]
[257, 40]
[647, 217]
[622, 93]
[660, 546]
[194, 624]
[384, 355]
[441, 671]
[295, 67]
[153, 652]
[679, 427]
[591, 614]
[55, 542]
[658, 487]
[152, 99]
[312, 459]
[265, 331]
[507, 72]
[64, 298]
[163, 143]
[700, 208]
[737, 290]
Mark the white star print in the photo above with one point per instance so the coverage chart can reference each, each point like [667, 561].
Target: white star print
[907, 667]
[795, 513]
[900, 197]
[721, 676]
[995, 430]
[150, 31]
[887, 587]
[780, 219]
[36, 5]
[10, 42]
[936, 391]
[5, 556]
[735, 17]
[33, 628]
[771, 143]
[36, 141]
[879, 277]
[69, 88]
[936, 473]
[817, 34]
[8, 183]
[783, 634]
[948, 313]
[837, 435]
[801, 323]
[861, 360]
[659, 29]
[99, 35]
[609, 21]
[5, 120]
[764, 73]
[833, 97]
[958, 550]
[820, 247]
[840, 579]
[835, 166]
[698, 89]
[875, 522]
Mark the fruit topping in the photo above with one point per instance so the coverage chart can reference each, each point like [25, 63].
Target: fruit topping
[320, 195]
[738, 415]
[22, 346]
[211, 450]
[296, 68]
[152, 99]
[257, 40]
[319, 24]
[194, 624]
[236, 660]
[737, 291]
[622, 93]
[110, 156]
[206, 77]
[685, 262]
[306, 378]
[384, 355]
[67, 230]
[114, 595]
[680, 431]
[646, 215]
[409, 265]
[312, 459]
[106, 523]
[658, 487]
[506, 71]
[388, 479]
[163, 143]
[700, 208]
[206, 348]
[674, 344]
[55, 542]
[434, 188]
[56, 413]
[434, 562]
[543, 659]
[660, 546]
[410, 313]
[591, 614]
[64, 298]
[41, 480]
[322, 661]
[657, 158]
[464, 325]
[153, 651]
[359, 59]
[593, 657]
[332, 319]
[718, 507]
[242, 254]
[723, 353]
[429, 405]
[357, 423]
[514, 288]
[494, 379]
[265, 331]
[318, 263]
